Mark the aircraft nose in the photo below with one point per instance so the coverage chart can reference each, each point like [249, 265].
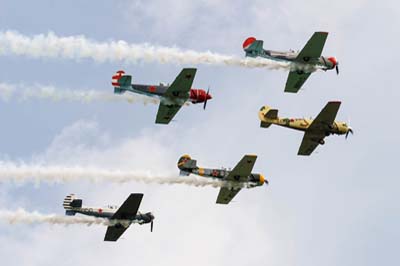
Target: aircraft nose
[209, 96]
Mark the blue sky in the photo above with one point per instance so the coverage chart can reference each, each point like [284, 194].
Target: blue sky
[337, 207]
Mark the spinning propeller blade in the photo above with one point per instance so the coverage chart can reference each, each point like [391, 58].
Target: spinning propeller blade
[205, 102]
[349, 131]
[151, 226]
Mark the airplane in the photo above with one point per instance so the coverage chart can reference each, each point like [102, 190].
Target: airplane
[315, 129]
[172, 97]
[127, 212]
[241, 174]
[308, 59]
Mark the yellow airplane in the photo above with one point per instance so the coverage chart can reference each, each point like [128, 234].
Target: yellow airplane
[315, 129]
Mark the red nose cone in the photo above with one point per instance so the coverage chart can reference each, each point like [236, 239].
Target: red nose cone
[199, 96]
[248, 42]
[333, 60]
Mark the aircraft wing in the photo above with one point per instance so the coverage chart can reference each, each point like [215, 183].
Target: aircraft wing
[313, 48]
[295, 80]
[177, 94]
[226, 195]
[309, 143]
[182, 84]
[325, 118]
[114, 232]
[316, 131]
[166, 112]
[243, 169]
[127, 211]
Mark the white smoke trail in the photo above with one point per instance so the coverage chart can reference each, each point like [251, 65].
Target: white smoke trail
[57, 174]
[79, 47]
[23, 92]
[24, 217]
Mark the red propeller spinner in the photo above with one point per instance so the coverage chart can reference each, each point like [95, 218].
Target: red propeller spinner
[335, 63]
[200, 96]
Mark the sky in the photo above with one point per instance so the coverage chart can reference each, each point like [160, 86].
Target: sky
[339, 206]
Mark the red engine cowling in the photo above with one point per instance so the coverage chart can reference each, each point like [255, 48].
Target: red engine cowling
[199, 96]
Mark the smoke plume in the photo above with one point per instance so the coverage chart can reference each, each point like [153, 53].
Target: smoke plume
[42, 92]
[79, 47]
[57, 174]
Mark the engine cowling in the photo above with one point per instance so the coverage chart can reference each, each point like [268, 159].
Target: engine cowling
[258, 178]
[199, 96]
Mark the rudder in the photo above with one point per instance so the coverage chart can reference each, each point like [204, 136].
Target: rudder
[253, 47]
[266, 114]
[186, 163]
[120, 81]
[70, 202]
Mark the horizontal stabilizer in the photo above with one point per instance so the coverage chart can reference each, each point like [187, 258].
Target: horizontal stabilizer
[272, 114]
[267, 114]
[70, 213]
[184, 173]
[265, 124]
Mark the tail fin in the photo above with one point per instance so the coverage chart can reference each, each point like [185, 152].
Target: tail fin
[70, 202]
[253, 47]
[186, 164]
[266, 114]
[120, 81]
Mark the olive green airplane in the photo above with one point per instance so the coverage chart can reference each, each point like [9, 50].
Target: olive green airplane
[315, 129]
[240, 175]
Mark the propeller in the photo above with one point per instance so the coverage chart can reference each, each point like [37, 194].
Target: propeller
[349, 130]
[337, 68]
[151, 226]
[205, 102]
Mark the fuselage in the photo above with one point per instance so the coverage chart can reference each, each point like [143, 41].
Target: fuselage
[254, 48]
[159, 91]
[253, 180]
[108, 212]
[324, 63]
[302, 124]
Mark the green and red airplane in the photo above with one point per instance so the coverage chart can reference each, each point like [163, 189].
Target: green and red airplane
[172, 97]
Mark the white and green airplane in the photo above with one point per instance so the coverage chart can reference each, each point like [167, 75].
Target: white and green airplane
[304, 62]
[128, 212]
[172, 97]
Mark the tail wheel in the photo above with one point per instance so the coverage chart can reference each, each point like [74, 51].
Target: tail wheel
[321, 141]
